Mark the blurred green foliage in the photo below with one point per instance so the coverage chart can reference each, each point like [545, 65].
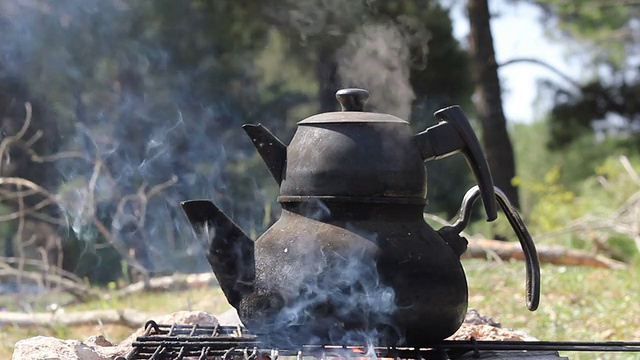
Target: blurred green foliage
[151, 89]
[155, 88]
[604, 28]
[602, 37]
[584, 182]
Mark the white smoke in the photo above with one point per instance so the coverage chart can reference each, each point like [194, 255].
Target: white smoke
[377, 57]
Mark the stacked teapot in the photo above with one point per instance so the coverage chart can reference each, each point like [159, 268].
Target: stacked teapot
[351, 259]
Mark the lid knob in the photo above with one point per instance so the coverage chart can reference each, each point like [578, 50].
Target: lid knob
[352, 99]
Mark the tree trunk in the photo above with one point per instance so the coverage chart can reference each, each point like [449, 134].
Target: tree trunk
[495, 137]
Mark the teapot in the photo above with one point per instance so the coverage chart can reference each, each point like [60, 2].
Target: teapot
[351, 258]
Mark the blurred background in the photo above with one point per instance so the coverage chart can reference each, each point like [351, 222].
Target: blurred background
[114, 111]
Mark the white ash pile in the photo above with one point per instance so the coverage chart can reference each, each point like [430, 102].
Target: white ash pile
[482, 327]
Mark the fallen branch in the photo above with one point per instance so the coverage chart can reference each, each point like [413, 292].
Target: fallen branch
[128, 317]
[159, 284]
[484, 248]
[169, 283]
[79, 290]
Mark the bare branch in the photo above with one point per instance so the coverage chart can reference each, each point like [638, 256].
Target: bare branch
[33, 189]
[38, 264]
[11, 194]
[629, 169]
[160, 187]
[47, 218]
[77, 289]
[16, 189]
[119, 246]
[28, 211]
[29, 143]
[19, 239]
[624, 220]
[58, 156]
[6, 142]
[28, 184]
[544, 64]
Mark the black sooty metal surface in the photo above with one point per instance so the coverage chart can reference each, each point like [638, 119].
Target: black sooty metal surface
[351, 258]
[176, 341]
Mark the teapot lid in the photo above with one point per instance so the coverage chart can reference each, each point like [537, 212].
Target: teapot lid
[352, 101]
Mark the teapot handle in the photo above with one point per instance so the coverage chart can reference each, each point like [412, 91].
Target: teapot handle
[526, 241]
[454, 134]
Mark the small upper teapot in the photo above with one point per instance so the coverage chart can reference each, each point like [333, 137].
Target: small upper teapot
[351, 259]
[361, 156]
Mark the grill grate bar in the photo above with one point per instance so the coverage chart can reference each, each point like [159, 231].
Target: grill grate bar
[594, 346]
[173, 349]
[230, 342]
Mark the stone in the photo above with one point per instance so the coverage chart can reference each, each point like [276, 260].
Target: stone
[50, 348]
[98, 347]
[229, 318]
[473, 317]
[98, 340]
[180, 317]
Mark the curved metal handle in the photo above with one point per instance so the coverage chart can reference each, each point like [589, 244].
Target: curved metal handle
[526, 241]
[454, 134]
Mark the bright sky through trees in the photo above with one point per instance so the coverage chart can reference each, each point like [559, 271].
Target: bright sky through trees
[518, 33]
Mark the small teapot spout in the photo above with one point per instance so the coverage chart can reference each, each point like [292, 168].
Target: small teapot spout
[231, 251]
[271, 149]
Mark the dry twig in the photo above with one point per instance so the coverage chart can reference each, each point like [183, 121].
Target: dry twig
[625, 220]
[16, 189]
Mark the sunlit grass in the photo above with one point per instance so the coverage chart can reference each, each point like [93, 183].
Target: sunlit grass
[210, 300]
[577, 303]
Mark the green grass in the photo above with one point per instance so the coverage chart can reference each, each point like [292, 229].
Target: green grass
[577, 303]
[210, 300]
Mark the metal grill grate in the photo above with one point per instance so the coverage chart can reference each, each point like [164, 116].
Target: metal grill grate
[169, 342]
[191, 341]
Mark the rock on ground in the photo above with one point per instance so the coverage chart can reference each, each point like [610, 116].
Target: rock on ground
[49, 348]
[97, 347]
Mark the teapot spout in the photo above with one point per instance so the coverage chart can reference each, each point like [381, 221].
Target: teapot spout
[271, 149]
[231, 251]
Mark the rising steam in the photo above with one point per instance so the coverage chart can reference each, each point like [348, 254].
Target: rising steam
[376, 56]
